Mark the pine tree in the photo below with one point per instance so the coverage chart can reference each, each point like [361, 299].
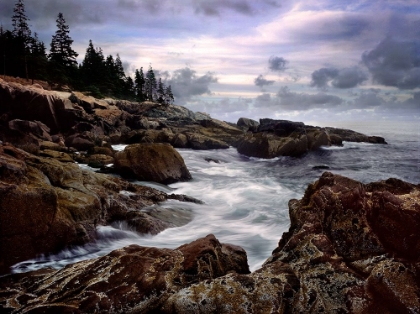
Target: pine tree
[38, 60]
[61, 52]
[139, 82]
[93, 68]
[151, 84]
[22, 38]
[20, 22]
[119, 69]
[169, 95]
[160, 92]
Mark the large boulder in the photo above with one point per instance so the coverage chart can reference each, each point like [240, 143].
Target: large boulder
[151, 162]
[133, 279]
[247, 124]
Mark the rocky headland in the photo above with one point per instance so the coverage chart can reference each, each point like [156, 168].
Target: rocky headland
[350, 248]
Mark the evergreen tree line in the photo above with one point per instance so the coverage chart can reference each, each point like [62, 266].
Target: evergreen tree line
[25, 56]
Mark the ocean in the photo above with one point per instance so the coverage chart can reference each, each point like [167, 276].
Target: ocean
[245, 199]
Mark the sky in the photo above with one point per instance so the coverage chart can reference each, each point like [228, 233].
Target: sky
[318, 60]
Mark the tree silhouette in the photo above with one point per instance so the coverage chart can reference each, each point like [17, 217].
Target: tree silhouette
[22, 38]
[151, 84]
[61, 51]
[62, 57]
[139, 81]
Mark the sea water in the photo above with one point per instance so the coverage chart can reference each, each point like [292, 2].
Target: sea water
[246, 199]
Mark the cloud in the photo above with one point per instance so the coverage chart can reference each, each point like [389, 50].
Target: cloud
[215, 7]
[260, 81]
[395, 63]
[339, 78]
[277, 63]
[288, 100]
[243, 7]
[186, 84]
[321, 77]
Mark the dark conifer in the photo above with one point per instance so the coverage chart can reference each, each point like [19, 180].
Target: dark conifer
[61, 52]
[140, 82]
[169, 95]
[151, 84]
[22, 38]
[160, 92]
[20, 22]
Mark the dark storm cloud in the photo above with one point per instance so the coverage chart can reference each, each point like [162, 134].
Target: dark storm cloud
[243, 7]
[288, 100]
[277, 63]
[215, 7]
[150, 6]
[395, 63]
[260, 81]
[321, 77]
[374, 99]
[339, 78]
[186, 84]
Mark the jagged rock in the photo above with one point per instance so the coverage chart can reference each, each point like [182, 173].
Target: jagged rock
[198, 141]
[347, 251]
[60, 156]
[88, 103]
[81, 142]
[352, 136]
[280, 127]
[132, 279]
[30, 103]
[263, 145]
[351, 248]
[36, 128]
[47, 205]
[275, 138]
[246, 123]
[99, 160]
[151, 162]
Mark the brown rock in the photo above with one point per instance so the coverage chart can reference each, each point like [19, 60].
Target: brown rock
[198, 141]
[262, 145]
[47, 205]
[334, 259]
[36, 128]
[31, 103]
[152, 162]
[132, 279]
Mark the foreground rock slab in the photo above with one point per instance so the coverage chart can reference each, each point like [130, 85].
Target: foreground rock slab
[133, 279]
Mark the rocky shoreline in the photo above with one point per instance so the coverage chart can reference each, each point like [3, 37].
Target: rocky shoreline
[351, 247]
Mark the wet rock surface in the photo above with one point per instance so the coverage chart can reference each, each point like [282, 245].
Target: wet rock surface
[133, 279]
[274, 138]
[151, 162]
[48, 202]
[351, 248]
